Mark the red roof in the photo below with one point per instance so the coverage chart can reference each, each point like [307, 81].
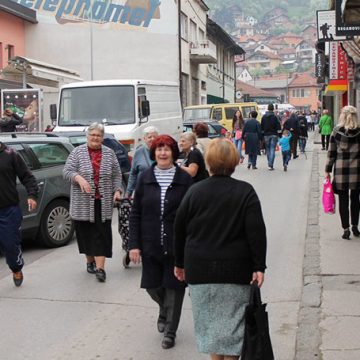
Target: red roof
[303, 80]
[252, 90]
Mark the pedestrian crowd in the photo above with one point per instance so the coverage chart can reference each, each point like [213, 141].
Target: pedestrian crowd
[191, 224]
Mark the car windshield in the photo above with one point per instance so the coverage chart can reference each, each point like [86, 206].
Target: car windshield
[114, 105]
[195, 115]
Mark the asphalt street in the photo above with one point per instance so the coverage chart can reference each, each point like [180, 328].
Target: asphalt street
[61, 312]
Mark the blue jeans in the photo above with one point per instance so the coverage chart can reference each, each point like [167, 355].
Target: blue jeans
[238, 145]
[286, 155]
[302, 144]
[252, 159]
[10, 239]
[270, 145]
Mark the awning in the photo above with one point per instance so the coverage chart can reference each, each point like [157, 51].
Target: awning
[336, 87]
[32, 71]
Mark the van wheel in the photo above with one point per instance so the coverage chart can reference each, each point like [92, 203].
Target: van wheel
[56, 227]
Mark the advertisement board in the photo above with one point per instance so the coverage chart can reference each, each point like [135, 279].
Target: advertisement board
[337, 62]
[27, 104]
[347, 25]
[326, 28]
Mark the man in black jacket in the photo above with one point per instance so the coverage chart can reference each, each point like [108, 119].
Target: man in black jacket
[270, 128]
[10, 121]
[12, 166]
[293, 126]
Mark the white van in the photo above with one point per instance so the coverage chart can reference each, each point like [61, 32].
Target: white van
[125, 107]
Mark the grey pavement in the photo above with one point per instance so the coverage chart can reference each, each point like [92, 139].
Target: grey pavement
[61, 312]
[340, 277]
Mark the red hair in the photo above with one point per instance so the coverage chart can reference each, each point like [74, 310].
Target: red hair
[165, 140]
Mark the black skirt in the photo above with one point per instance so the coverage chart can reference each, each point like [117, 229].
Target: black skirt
[94, 239]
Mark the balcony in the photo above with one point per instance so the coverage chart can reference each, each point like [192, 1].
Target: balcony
[203, 52]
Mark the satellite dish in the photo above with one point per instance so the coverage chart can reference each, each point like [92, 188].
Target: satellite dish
[238, 94]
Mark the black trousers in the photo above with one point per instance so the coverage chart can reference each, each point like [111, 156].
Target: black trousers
[170, 302]
[293, 144]
[344, 207]
[325, 141]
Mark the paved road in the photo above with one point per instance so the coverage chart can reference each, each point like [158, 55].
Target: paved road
[61, 312]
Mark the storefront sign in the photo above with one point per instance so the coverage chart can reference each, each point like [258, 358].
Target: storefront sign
[346, 25]
[337, 62]
[326, 26]
[320, 66]
[26, 104]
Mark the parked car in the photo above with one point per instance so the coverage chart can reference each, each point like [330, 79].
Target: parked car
[77, 138]
[215, 129]
[51, 223]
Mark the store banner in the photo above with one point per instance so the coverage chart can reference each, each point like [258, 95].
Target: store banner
[326, 26]
[347, 18]
[337, 62]
[25, 103]
[320, 67]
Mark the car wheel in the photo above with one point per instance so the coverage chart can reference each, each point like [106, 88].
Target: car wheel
[57, 227]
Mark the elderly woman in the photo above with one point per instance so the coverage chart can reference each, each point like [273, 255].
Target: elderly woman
[220, 249]
[141, 160]
[95, 177]
[344, 157]
[158, 194]
[202, 132]
[190, 158]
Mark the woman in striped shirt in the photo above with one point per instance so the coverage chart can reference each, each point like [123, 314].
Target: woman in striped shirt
[158, 194]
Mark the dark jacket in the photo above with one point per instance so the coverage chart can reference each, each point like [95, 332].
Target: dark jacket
[252, 135]
[344, 157]
[145, 216]
[270, 124]
[292, 124]
[9, 125]
[303, 126]
[11, 166]
[220, 235]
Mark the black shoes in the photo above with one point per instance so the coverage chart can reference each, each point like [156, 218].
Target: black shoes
[249, 166]
[295, 156]
[126, 260]
[254, 168]
[346, 234]
[91, 267]
[100, 275]
[161, 324]
[355, 231]
[168, 342]
[18, 278]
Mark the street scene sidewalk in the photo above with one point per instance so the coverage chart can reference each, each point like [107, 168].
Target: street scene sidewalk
[340, 279]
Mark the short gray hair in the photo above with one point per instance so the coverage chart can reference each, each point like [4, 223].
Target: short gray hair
[150, 129]
[190, 136]
[95, 126]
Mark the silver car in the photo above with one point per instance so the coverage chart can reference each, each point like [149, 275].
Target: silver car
[45, 156]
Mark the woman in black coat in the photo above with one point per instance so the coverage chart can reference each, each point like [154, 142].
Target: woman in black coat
[252, 136]
[158, 194]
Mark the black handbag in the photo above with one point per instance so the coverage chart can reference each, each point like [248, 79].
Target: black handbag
[257, 343]
[124, 207]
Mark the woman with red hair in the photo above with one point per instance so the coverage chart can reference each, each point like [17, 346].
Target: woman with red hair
[159, 191]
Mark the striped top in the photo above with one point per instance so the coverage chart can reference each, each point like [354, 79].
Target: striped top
[164, 179]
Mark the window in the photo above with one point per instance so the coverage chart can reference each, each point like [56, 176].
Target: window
[141, 98]
[184, 26]
[217, 115]
[300, 93]
[201, 34]
[184, 89]
[21, 151]
[194, 91]
[11, 51]
[193, 32]
[50, 154]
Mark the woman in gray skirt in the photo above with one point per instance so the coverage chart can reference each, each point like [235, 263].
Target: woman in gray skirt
[220, 249]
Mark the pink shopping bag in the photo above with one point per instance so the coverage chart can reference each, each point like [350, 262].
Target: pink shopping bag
[328, 197]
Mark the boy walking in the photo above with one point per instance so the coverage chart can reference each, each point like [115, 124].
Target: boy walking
[284, 142]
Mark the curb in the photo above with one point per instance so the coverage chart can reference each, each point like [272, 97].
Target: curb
[308, 337]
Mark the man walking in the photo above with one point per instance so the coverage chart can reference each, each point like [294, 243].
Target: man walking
[293, 126]
[270, 127]
[9, 122]
[12, 166]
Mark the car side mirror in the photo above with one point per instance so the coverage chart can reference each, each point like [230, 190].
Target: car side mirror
[145, 108]
[53, 112]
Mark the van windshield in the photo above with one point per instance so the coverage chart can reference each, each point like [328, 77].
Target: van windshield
[195, 115]
[113, 105]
